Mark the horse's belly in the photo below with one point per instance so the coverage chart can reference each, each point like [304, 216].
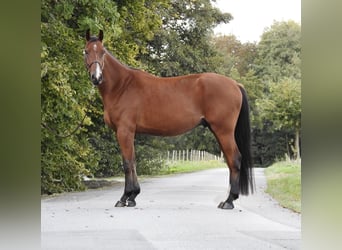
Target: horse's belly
[168, 125]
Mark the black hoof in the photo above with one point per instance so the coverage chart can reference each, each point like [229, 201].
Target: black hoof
[131, 203]
[226, 205]
[120, 204]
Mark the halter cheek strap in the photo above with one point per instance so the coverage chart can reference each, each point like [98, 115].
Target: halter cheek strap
[96, 61]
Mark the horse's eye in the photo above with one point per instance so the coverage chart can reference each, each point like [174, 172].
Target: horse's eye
[85, 52]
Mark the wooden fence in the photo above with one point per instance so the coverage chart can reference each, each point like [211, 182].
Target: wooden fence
[191, 155]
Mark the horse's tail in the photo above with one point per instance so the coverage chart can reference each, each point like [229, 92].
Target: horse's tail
[243, 141]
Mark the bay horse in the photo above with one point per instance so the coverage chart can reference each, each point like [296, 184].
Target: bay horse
[137, 102]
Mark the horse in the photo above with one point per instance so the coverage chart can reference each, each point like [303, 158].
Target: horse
[135, 101]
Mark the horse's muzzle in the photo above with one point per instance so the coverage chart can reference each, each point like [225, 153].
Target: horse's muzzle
[96, 80]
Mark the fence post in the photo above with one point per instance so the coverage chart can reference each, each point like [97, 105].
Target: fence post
[191, 155]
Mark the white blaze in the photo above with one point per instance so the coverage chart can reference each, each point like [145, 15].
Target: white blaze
[97, 71]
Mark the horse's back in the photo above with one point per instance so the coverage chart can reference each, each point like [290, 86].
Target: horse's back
[219, 84]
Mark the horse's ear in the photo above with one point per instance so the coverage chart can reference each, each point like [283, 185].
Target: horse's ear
[88, 34]
[101, 35]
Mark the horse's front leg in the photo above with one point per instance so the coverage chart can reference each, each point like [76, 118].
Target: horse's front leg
[132, 188]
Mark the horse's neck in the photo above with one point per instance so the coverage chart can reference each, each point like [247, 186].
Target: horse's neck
[115, 76]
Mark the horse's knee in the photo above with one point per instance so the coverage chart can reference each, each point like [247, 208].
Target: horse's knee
[128, 166]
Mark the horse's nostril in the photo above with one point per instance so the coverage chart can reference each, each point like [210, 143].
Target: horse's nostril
[96, 80]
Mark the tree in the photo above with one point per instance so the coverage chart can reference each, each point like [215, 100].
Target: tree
[66, 92]
[237, 55]
[279, 52]
[282, 106]
[183, 44]
[277, 65]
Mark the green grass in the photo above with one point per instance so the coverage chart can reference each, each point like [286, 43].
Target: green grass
[190, 166]
[284, 184]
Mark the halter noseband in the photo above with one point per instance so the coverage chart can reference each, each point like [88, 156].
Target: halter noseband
[101, 66]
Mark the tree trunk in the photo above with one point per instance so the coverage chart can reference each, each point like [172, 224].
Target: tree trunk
[297, 149]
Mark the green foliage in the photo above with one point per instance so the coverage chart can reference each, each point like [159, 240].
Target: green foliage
[282, 105]
[150, 152]
[107, 149]
[277, 65]
[65, 94]
[237, 56]
[182, 46]
[280, 110]
[279, 52]
[269, 146]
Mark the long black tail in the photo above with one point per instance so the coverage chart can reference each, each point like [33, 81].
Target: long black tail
[243, 141]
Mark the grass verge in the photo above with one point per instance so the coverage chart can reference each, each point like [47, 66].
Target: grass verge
[284, 184]
[190, 166]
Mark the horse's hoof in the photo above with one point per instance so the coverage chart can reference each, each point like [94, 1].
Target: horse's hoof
[220, 205]
[227, 205]
[131, 203]
[120, 204]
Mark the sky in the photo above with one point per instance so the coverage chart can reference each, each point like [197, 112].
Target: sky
[251, 17]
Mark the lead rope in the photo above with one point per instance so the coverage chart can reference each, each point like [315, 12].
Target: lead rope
[44, 125]
[67, 135]
[53, 131]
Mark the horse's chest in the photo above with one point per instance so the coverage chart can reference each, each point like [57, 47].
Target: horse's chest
[108, 120]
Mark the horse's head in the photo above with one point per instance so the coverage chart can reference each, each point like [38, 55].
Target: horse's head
[94, 54]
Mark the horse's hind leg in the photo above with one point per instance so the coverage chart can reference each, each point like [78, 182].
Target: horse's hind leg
[233, 158]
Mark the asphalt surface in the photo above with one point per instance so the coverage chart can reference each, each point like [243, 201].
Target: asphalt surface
[173, 212]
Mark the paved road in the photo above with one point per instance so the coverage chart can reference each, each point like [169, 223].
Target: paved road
[174, 212]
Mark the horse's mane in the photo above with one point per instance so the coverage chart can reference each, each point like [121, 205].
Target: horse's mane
[127, 66]
[93, 39]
